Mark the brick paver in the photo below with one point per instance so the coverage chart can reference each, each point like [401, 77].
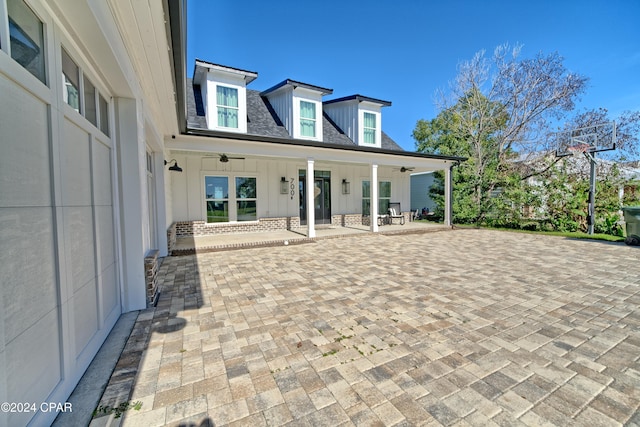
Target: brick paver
[469, 327]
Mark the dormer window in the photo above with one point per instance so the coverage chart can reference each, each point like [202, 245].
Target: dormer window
[299, 107]
[227, 105]
[369, 128]
[307, 119]
[224, 95]
[360, 117]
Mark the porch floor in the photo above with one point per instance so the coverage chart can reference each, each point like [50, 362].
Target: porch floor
[200, 244]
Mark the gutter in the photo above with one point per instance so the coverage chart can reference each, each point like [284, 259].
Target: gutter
[176, 22]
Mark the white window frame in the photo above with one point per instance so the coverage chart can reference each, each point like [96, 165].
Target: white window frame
[232, 200]
[380, 198]
[218, 106]
[81, 99]
[365, 128]
[5, 37]
[369, 108]
[314, 119]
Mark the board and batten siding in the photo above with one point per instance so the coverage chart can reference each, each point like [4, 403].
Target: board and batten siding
[187, 188]
[345, 115]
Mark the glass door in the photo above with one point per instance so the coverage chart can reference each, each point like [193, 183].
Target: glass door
[322, 197]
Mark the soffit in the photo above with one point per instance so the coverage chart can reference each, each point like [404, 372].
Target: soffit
[143, 31]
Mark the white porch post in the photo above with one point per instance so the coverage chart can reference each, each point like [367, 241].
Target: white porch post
[311, 215]
[374, 198]
[447, 195]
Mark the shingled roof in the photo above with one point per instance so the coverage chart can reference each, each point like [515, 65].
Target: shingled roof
[262, 120]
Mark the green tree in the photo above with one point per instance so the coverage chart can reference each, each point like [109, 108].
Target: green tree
[492, 115]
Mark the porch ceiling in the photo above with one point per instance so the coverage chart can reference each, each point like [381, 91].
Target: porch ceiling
[197, 145]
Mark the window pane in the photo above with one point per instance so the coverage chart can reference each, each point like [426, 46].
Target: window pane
[307, 127]
[26, 35]
[366, 207]
[104, 115]
[90, 101]
[370, 136]
[369, 120]
[385, 189]
[307, 110]
[247, 210]
[70, 80]
[246, 188]
[227, 117]
[369, 128]
[366, 189]
[383, 206]
[227, 96]
[216, 187]
[217, 211]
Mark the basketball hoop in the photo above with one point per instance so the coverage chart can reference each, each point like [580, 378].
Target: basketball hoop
[587, 140]
[581, 148]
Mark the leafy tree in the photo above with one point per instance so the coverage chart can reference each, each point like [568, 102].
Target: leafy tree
[498, 114]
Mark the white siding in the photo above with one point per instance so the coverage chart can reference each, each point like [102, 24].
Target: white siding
[345, 115]
[282, 103]
[188, 187]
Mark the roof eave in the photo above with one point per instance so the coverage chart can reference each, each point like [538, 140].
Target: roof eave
[296, 84]
[360, 98]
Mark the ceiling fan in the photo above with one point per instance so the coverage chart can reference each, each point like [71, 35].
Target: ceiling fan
[404, 169]
[225, 159]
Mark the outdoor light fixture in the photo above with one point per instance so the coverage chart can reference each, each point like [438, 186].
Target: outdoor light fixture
[284, 187]
[346, 187]
[175, 166]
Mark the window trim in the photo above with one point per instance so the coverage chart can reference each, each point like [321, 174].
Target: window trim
[365, 128]
[314, 120]
[380, 198]
[216, 199]
[5, 38]
[232, 199]
[98, 96]
[243, 199]
[218, 106]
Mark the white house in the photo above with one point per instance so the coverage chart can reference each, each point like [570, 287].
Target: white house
[248, 158]
[96, 119]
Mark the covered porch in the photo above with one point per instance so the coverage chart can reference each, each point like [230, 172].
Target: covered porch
[255, 186]
[230, 241]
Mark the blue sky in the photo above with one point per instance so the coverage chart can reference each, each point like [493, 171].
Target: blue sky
[403, 51]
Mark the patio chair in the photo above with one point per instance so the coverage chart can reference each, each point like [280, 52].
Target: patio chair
[395, 212]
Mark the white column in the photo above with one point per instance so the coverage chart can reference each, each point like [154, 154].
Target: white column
[447, 195]
[374, 198]
[132, 179]
[311, 212]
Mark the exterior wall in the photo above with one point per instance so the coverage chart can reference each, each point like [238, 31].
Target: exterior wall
[349, 116]
[282, 102]
[187, 188]
[420, 185]
[72, 242]
[60, 289]
[345, 115]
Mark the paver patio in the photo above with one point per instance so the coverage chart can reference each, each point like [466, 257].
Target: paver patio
[464, 327]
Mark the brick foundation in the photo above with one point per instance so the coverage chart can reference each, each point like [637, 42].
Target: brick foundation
[151, 265]
[346, 220]
[202, 228]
